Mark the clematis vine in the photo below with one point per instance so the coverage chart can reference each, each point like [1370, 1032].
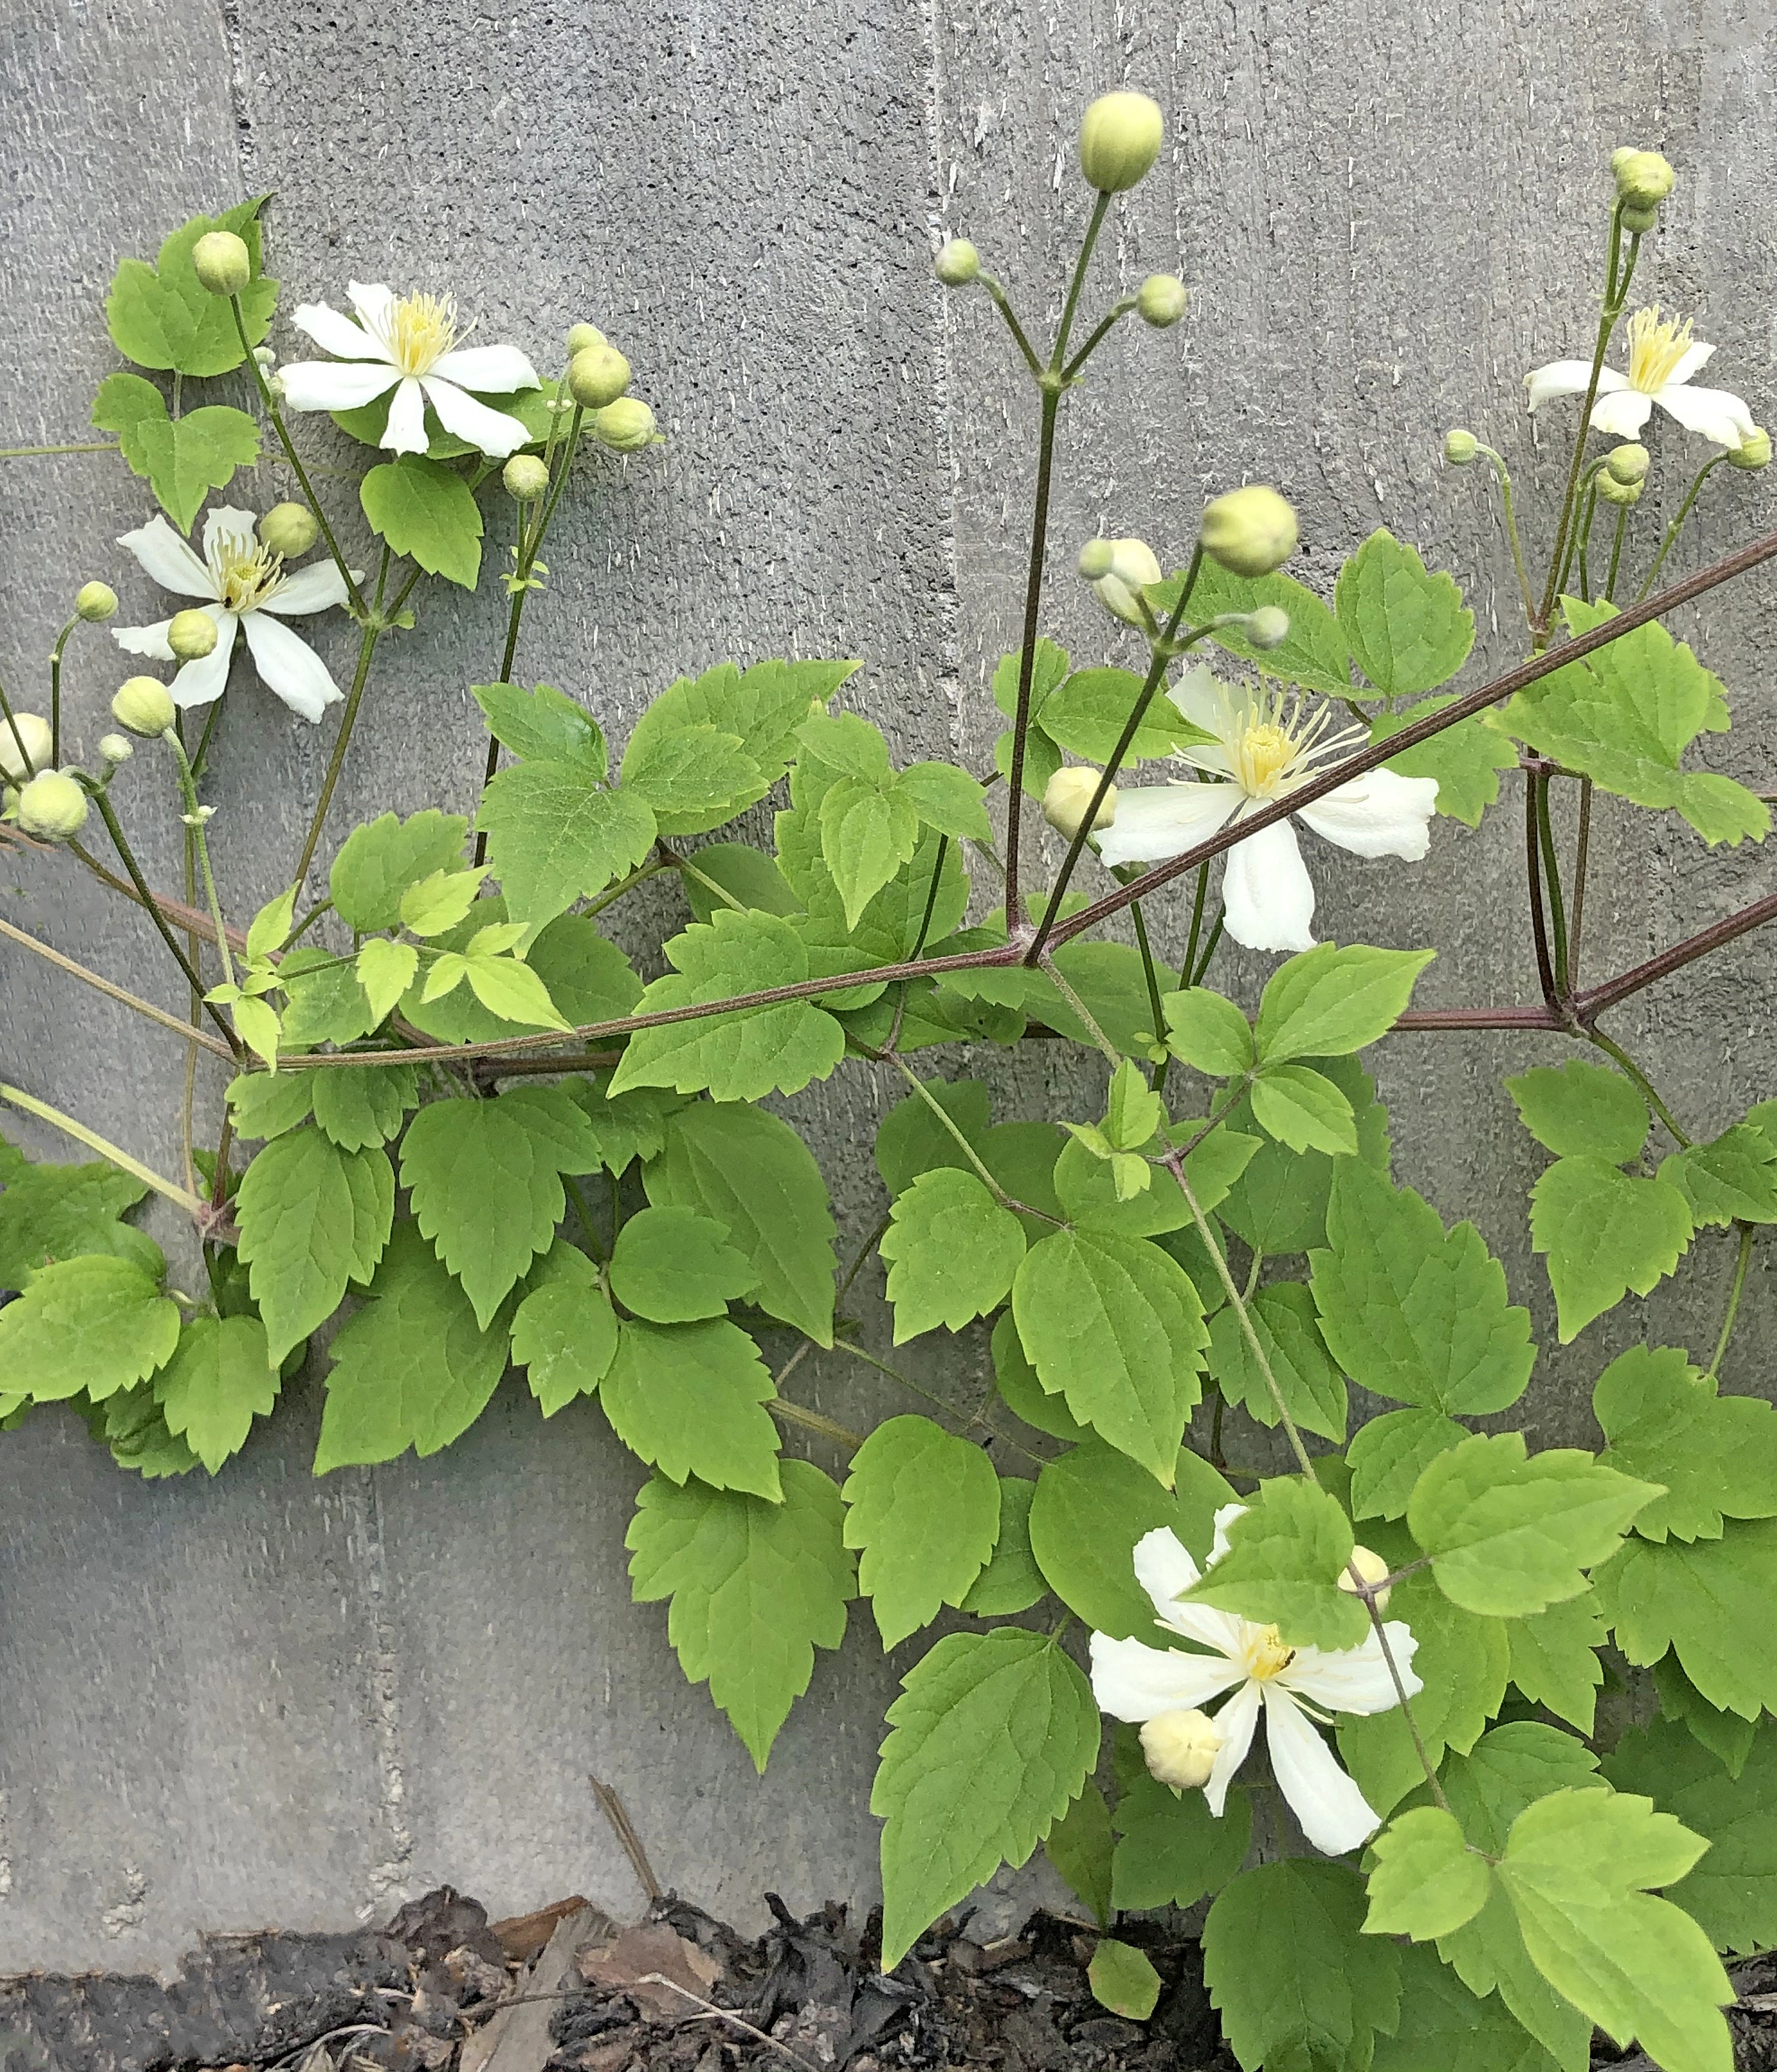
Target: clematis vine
[408, 343]
[1294, 1686]
[1662, 356]
[240, 584]
[1264, 746]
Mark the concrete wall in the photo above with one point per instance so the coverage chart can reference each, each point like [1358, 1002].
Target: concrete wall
[272, 1698]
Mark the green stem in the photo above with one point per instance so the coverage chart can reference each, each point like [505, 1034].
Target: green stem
[108, 814]
[1585, 537]
[1118, 310]
[1649, 1093]
[1210, 946]
[582, 1210]
[1616, 553]
[950, 1123]
[121, 1159]
[34, 453]
[1186, 981]
[1027, 656]
[1735, 1291]
[145, 1008]
[56, 692]
[1557, 915]
[200, 760]
[11, 719]
[811, 1421]
[998, 297]
[1502, 475]
[1147, 971]
[1582, 857]
[1538, 927]
[1106, 1046]
[194, 821]
[1676, 526]
[1100, 205]
[367, 648]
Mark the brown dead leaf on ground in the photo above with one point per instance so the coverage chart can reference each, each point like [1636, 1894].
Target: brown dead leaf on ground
[639, 1958]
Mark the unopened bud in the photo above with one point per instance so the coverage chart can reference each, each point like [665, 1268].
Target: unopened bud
[115, 747]
[1160, 299]
[1268, 627]
[34, 735]
[1132, 566]
[1461, 447]
[289, 530]
[191, 635]
[628, 425]
[1095, 559]
[525, 478]
[265, 358]
[1753, 450]
[222, 262]
[1628, 463]
[582, 336]
[1613, 491]
[95, 602]
[52, 807]
[1249, 531]
[1180, 1747]
[1639, 220]
[144, 705]
[1372, 1568]
[957, 264]
[1067, 796]
[597, 375]
[1119, 140]
[1644, 179]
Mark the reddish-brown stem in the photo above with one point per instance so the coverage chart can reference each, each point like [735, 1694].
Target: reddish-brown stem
[1588, 1006]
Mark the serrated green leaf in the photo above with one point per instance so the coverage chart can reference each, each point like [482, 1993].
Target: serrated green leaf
[312, 1219]
[1049, 667]
[265, 1104]
[1605, 1232]
[746, 875]
[1733, 1178]
[428, 512]
[1488, 1954]
[1424, 1881]
[952, 1252]
[923, 1509]
[910, 1140]
[50, 1212]
[216, 1383]
[326, 1004]
[1716, 1455]
[360, 1105]
[432, 904]
[131, 1424]
[1314, 1389]
[554, 837]
[849, 745]
[947, 799]
[1208, 1031]
[1171, 1850]
[1388, 1456]
[1300, 1107]
[1022, 1393]
[687, 1398]
[993, 1735]
[631, 1127]
[1726, 1736]
[588, 980]
[1408, 628]
[544, 726]
[123, 402]
[1086, 715]
[564, 1331]
[379, 861]
[1011, 1582]
[1702, 1600]
[1285, 1553]
[1278, 1205]
[1444, 2026]
[183, 459]
[1329, 1002]
[675, 1266]
[866, 836]
[1080, 1847]
[1554, 1659]
[1315, 654]
[509, 987]
[1464, 761]
[94, 1323]
[697, 771]
[756, 1587]
[1510, 1768]
[1577, 1109]
[162, 316]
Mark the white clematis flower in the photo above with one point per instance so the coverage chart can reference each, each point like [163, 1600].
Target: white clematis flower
[1136, 1682]
[1662, 359]
[409, 343]
[1266, 746]
[241, 583]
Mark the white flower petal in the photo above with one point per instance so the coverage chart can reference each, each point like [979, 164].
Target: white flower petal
[1379, 814]
[1622, 413]
[1235, 1723]
[336, 334]
[1560, 377]
[334, 384]
[1267, 891]
[1334, 1814]
[373, 302]
[289, 667]
[1201, 697]
[203, 682]
[312, 589]
[1692, 360]
[1356, 1679]
[490, 370]
[405, 431]
[493, 431]
[228, 521]
[1163, 1568]
[150, 640]
[1154, 821]
[1712, 412]
[1131, 1682]
[170, 560]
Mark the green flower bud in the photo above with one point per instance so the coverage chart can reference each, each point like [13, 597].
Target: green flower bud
[1119, 140]
[1249, 531]
[1753, 450]
[957, 264]
[35, 735]
[582, 336]
[222, 262]
[191, 635]
[597, 375]
[115, 747]
[1160, 299]
[1639, 221]
[1095, 559]
[145, 705]
[1644, 179]
[1268, 627]
[525, 478]
[1132, 566]
[628, 425]
[1067, 796]
[289, 530]
[95, 602]
[1610, 491]
[1461, 447]
[52, 807]
[1180, 1747]
[1628, 463]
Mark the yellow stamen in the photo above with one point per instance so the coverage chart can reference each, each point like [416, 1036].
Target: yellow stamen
[1265, 753]
[1656, 345]
[1266, 1656]
[421, 330]
[246, 574]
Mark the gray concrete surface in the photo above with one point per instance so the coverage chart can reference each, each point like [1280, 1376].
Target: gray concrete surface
[272, 1698]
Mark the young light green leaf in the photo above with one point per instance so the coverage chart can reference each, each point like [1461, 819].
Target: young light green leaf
[1011, 1582]
[696, 772]
[923, 1509]
[183, 459]
[1408, 628]
[433, 904]
[379, 861]
[1715, 1455]
[1314, 1389]
[360, 1105]
[1287, 1552]
[867, 834]
[1733, 1178]
[544, 726]
[216, 1383]
[947, 799]
[564, 1334]
[953, 1251]
[95, 1323]
[1605, 1232]
[1208, 1032]
[674, 1266]
[1702, 1600]
[312, 1217]
[554, 837]
[427, 512]
[1464, 761]
[1425, 1880]
[1123, 1979]
[162, 316]
[1578, 1109]
[1329, 1002]
[687, 1398]
[1302, 1108]
[509, 987]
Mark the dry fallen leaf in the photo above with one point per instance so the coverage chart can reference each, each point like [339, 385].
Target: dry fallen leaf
[653, 1949]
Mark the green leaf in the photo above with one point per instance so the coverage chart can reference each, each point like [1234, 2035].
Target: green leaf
[748, 875]
[162, 316]
[850, 745]
[1080, 1847]
[379, 861]
[1329, 1002]
[953, 1251]
[1554, 1659]
[1727, 1736]
[1049, 667]
[312, 1217]
[428, 512]
[1123, 1980]
[1605, 1232]
[544, 726]
[1488, 1954]
[1388, 1456]
[1624, 718]
[1305, 1110]
[687, 1399]
[509, 987]
[1702, 1600]
[866, 836]
[1576, 1869]
[1315, 654]
[1716, 1455]
[360, 1105]
[412, 1368]
[1443, 2025]
[756, 1587]
[1464, 761]
[554, 837]
[1509, 1769]
[1022, 1393]
[1425, 1880]
[1408, 628]
[674, 1266]
[1278, 1205]
[94, 1323]
[740, 1056]
[1087, 714]
[183, 458]
[910, 1140]
[1115, 1326]
[1171, 1850]
[326, 1003]
[1412, 1311]
[696, 771]
[924, 1510]
[993, 1735]
[564, 1331]
[1577, 1109]
[947, 799]
[1208, 1032]
[1090, 1508]
[50, 1212]
[1285, 1553]
[587, 979]
[1732, 1178]
[1011, 1582]
[1296, 1982]
[631, 1127]
[1314, 1389]
[1511, 1533]
[433, 905]
[216, 1383]
[751, 1172]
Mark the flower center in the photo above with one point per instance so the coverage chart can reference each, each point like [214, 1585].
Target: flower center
[1264, 753]
[246, 573]
[1266, 1656]
[1656, 345]
[421, 330]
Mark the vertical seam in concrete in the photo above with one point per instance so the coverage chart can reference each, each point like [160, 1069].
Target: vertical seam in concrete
[382, 1693]
[943, 384]
[233, 36]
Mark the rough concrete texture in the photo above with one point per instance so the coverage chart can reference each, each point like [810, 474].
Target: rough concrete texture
[270, 1698]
